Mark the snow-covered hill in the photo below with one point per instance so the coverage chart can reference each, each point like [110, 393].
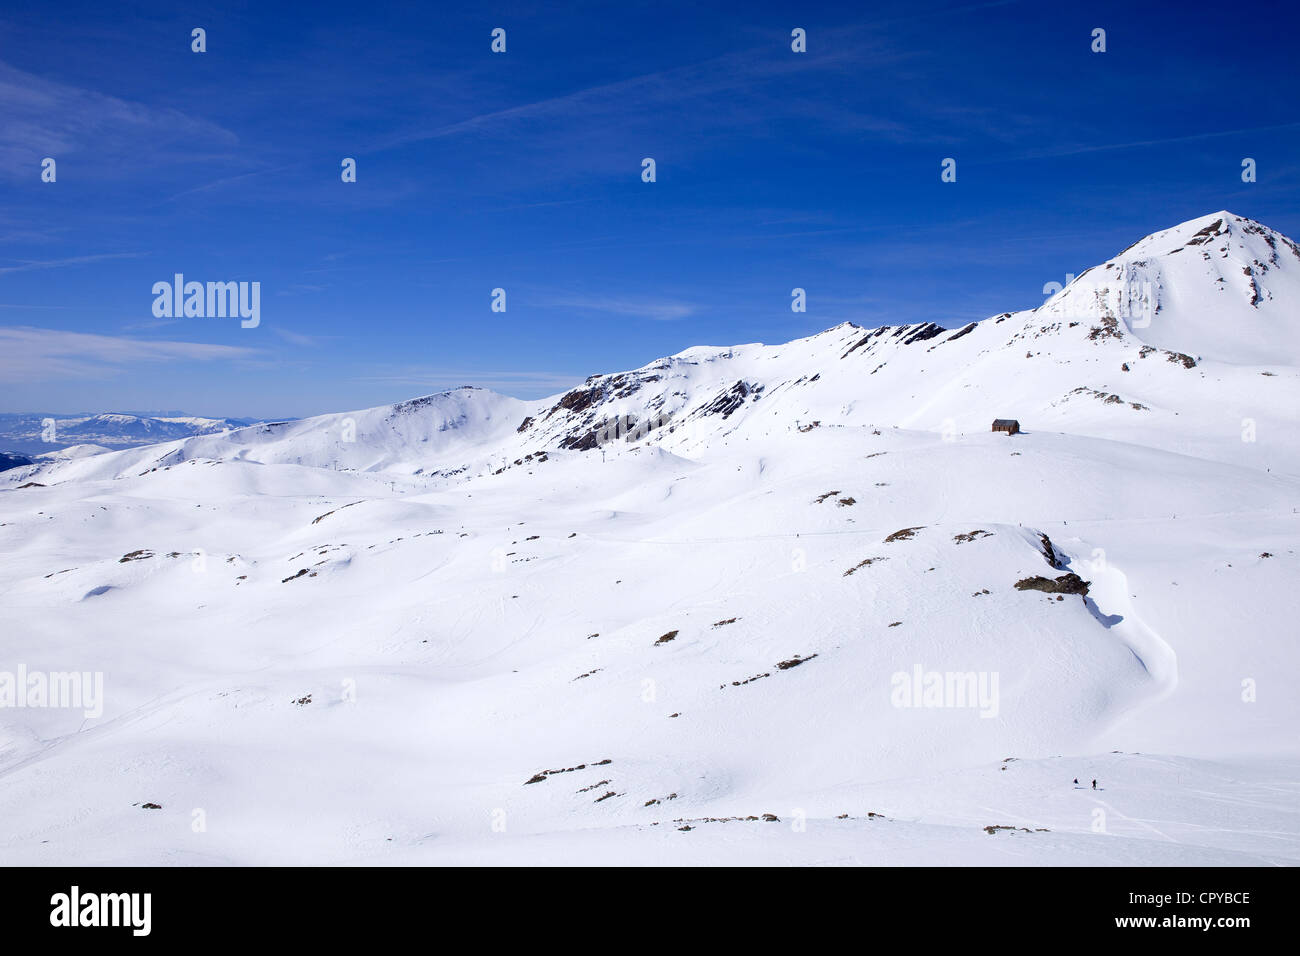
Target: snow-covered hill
[627, 622]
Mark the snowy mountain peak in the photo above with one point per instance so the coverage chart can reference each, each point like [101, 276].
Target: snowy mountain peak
[1220, 286]
[1202, 231]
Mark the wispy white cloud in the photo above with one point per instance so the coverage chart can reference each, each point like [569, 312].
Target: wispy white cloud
[42, 117]
[752, 81]
[1076, 150]
[295, 338]
[227, 181]
[149, 324]
[302, 288]
[531, 383]
[30, 264]
[658, 310]
[30, 354]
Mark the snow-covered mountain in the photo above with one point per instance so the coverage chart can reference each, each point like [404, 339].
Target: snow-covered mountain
[791, 603]
[1220, 286]
[39, 434]
[1175, 343]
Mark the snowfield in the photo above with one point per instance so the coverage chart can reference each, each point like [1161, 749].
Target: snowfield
[744, 605]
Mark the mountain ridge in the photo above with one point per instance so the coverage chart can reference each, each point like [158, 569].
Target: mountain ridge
[1089, 359]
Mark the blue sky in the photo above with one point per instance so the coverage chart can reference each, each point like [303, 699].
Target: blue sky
[522, 171]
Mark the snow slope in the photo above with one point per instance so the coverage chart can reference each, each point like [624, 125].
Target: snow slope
[471, 629]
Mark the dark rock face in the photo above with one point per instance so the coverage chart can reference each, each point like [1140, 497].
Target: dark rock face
[580, 399]
[927, 331]
[730, 400]
[1066, 584]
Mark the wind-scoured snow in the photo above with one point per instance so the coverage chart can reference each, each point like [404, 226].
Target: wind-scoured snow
[669, 615]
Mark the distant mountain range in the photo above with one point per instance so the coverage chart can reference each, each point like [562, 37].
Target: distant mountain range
[30, 434]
